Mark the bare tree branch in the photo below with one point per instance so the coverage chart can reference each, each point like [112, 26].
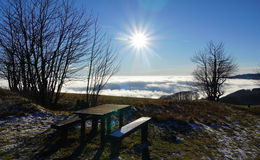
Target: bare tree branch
[42, 43]
[102, 64]
[213, 69]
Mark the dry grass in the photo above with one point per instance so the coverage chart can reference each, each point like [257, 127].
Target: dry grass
[197, 145]
[204, 111]
[68, 100]
[15, 104]
[161, 110]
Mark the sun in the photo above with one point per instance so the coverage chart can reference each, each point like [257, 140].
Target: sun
[139, 40]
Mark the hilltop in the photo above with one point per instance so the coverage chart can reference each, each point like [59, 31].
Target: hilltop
[243, 97]
[255, 76]
[179, 129]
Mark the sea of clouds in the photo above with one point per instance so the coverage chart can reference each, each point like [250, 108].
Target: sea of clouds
[150, 86]
[154, 86]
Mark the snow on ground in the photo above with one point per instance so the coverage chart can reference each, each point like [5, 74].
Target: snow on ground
[15, 130]
[235, 141]
[231, 141]
[237, 144]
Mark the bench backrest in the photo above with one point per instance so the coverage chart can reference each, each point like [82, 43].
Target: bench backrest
[129, 128]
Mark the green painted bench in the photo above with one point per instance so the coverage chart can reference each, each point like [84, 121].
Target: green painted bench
[117, 136]
[65, 125]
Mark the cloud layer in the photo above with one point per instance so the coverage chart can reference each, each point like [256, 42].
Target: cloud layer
[149, 86]
[153, 86]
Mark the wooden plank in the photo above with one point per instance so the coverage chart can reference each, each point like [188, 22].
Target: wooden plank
[117, 136]
[129, 128]
[67, 123]
[101, 109]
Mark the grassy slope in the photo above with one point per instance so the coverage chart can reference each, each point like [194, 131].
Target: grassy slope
[161, 110]
[196, 145]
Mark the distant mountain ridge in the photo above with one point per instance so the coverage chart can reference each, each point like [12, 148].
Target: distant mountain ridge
[254, 76]
[243, 97]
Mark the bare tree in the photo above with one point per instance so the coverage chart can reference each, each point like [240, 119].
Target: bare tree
[101, 64]
[213, 69]
[42, 43]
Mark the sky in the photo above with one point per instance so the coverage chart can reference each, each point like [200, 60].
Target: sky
[176, 30]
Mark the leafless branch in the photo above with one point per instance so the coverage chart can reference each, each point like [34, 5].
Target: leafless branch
[213, 69]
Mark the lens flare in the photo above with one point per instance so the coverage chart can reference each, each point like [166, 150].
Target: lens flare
[138, 47]
[139, 40]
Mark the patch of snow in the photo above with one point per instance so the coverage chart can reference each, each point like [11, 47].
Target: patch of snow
[235, 143]
[15, 129]
[195, 126]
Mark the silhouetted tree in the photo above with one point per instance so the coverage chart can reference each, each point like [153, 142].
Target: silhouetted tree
[101, 65]
[44, 42]
[213, 69]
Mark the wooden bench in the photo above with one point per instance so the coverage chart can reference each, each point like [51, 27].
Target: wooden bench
[117, 136]
[63, 126]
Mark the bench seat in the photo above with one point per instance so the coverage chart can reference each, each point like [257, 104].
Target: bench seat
[66, 123]
[117, 136]
[129, 128]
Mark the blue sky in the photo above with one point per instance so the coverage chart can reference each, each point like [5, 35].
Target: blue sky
[177, 29]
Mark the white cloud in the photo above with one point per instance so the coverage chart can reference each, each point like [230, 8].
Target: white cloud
[233, 85]
[133, 93]
[154, 86]
[150, 86]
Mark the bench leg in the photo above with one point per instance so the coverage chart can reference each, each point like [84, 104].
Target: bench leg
[103, 130]
[144, 135]
[82, 132]
[115, 148]
[64, 135]
[121, 120]
[109, 125]
[94, 125]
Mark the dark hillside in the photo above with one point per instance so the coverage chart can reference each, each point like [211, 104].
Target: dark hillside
[254, 76]
[243, 97]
